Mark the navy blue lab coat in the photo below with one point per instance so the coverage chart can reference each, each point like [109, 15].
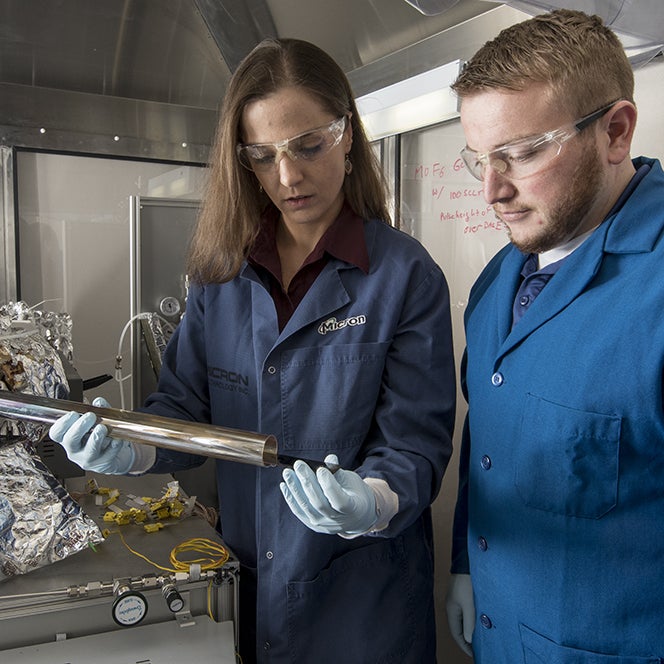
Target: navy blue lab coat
[364, 369]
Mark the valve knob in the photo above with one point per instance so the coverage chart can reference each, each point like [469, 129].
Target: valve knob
[173, 598]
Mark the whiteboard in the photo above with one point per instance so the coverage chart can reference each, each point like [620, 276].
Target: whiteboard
[442, 206]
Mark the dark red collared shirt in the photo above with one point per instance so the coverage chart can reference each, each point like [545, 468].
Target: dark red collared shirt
[343, 240]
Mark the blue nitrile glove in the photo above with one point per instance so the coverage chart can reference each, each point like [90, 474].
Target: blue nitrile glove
[97, 451]
[340, 504]
[461, 611]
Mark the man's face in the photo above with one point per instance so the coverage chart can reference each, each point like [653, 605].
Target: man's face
[557, 203]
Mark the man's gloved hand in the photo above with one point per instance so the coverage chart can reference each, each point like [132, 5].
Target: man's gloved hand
[461, 611]
[97, 451]
[340, 503]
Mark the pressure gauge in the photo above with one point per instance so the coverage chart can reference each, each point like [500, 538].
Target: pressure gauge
[170, 306]
[129, 608]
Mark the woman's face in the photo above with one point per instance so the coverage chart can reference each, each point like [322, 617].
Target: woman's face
[308, 192]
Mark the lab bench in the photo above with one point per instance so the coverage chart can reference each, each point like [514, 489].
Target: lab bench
[107, 605]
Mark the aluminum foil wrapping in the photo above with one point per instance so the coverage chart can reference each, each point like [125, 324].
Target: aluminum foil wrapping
[55, 328]
[28, 363]
[39, 522]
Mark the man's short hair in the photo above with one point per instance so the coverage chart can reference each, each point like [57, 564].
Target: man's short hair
[577, 55]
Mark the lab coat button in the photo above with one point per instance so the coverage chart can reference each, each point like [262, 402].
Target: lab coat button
[523, 300]
[272, 370]
[485, 621]
[482, 543]
[486, 462]
[497, 379]
[269, 555]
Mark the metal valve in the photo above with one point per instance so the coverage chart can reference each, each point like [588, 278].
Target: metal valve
[173, 598]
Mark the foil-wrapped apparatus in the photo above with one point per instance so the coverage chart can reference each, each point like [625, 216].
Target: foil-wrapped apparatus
[39, 522]
[28, 363]
[54, 327]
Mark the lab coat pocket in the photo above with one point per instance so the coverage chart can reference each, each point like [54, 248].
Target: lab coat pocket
[567, 459]
[360, 609]
[329, 395]
[539, 650]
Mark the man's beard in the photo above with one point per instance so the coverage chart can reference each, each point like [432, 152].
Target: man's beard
[567, 219]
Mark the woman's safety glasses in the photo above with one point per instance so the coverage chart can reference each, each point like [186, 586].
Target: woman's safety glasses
[528, 156]
[309, 146]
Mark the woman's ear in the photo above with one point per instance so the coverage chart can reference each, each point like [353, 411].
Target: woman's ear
[348, 134]
[620, 124]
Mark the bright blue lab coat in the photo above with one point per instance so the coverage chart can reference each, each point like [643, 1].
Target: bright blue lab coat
[364, 369]
[563, 468]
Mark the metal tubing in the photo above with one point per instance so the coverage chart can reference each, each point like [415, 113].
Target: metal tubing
[171, 434]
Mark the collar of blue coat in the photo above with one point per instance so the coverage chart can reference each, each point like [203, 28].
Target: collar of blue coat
[637, 219]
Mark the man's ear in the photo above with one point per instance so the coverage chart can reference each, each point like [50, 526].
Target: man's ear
[620, 122]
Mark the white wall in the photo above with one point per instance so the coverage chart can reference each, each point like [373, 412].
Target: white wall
[649, 87]
[74, 240]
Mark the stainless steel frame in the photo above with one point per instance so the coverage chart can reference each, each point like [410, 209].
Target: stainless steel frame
[159, 229]
[8, 293]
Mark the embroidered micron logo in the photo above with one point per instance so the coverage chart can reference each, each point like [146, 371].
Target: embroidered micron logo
[332, 324]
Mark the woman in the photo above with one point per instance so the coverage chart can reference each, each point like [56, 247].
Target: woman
[312, 319]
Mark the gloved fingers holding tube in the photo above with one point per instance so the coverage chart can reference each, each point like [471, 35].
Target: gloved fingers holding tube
[89, 445]
[341, 503]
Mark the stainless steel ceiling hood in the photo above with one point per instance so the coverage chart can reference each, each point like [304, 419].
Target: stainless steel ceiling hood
[638, 23]
[144, 78]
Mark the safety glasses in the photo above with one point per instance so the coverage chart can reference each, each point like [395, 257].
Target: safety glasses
[309, 146]
[528, 156]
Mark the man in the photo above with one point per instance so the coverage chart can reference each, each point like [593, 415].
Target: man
[559, 538]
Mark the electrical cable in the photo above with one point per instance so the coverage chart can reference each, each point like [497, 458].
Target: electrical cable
[215, 554]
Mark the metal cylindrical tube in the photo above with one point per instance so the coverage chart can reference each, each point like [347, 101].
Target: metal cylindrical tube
[171, 434]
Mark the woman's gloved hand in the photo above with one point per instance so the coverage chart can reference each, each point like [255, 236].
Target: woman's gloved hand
[89, 445]
[341, 503]
[461, 611]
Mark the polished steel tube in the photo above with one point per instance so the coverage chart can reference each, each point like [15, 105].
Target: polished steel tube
[171, 434]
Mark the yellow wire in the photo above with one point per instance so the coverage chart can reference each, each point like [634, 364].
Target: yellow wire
[216, 554]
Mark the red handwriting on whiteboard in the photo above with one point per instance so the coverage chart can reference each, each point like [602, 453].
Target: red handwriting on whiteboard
[466, 215]
[475, 219]
[436, 170]
[489, 225]
[465, 193]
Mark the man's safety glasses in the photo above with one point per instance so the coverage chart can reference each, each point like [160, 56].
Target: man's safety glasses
[309, 146]
[527, 156]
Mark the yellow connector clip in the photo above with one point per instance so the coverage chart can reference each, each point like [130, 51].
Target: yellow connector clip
[177, 509]
[153, 527]
[138, 515]
[92, 486]
[113, 495]
[123, 518]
